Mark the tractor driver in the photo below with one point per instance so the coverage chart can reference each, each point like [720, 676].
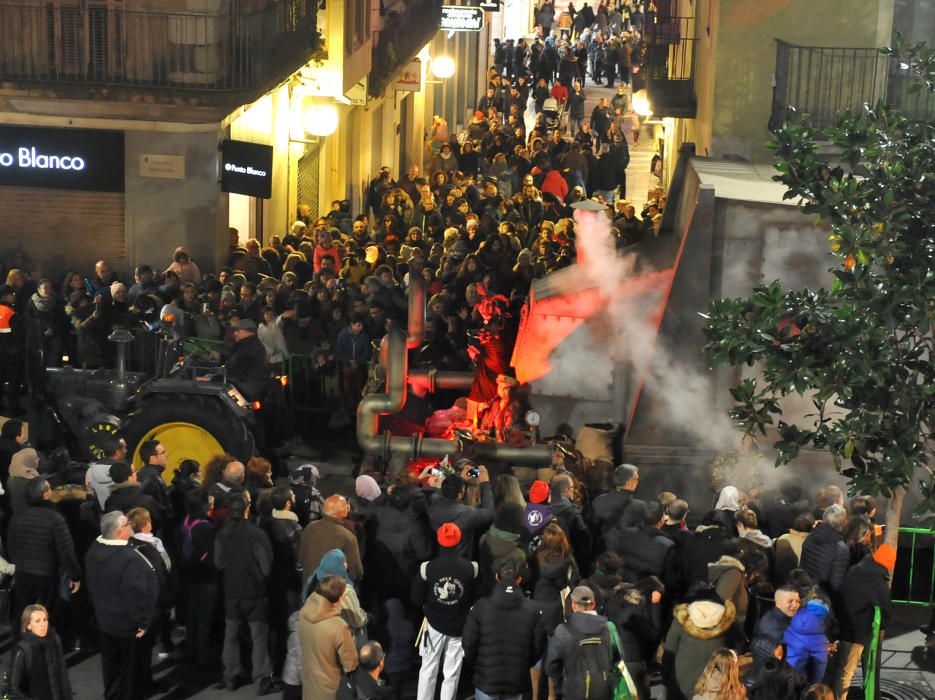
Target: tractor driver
[247, 365]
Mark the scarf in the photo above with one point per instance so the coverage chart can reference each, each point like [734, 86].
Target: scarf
[43, 304]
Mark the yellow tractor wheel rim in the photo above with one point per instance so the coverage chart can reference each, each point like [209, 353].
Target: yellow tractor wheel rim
[182, 441]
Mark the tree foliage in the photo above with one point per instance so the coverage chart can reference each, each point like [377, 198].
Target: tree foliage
[866, 346]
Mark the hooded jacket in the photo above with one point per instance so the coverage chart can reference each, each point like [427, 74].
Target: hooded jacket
[503, 638]
[496, 547]
[864, 587]
[698, 630]
[807, 642]
[127, 496]
[397, 541]
[727, 577]
[825, 556]
[470, 520]
[98, 480]
[123, 587]
[706, 546]
[563, 641]
[327, 648]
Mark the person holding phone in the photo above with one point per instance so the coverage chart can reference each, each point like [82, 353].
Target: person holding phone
[447, 507]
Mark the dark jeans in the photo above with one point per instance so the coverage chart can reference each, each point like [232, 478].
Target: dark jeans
[199, 619]
[255, 611]
[125, 662]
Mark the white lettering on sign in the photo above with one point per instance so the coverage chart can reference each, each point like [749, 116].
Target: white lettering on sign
[30, 158]
[457, 18]
[244, 169]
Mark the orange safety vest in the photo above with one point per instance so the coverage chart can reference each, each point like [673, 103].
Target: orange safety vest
[6, 313]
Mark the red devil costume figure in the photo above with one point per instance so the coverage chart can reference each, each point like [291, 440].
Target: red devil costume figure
[492, 345]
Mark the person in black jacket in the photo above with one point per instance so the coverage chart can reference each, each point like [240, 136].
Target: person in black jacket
[38, 669]
[644, 549]
[608, 508]
[865, 586]
[127, 494]
[41, 547]
[284, 532]
[155, 456]
[568, 516]
[366, 678]
[503, 637]
[445, 586]
[124, 592]
[247, 365]
[825, 555]
[196, 561]
[708, 543]
[244, 555]
[447, 507]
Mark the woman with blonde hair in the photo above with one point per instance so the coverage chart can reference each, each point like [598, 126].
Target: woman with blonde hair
[506, 489]
[720, 679]
[38, 669]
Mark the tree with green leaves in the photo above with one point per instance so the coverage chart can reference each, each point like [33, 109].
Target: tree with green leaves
[864, 350]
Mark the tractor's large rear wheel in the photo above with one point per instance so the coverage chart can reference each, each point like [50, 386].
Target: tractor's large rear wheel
[189, 427]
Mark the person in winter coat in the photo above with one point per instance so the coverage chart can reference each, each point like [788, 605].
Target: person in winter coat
[787, 549]
[243, 554]
[330, 532]
[334, 563]
[447, 507]
[24, 467]
[568, 516]
[38, 670]
[701, 625]
[503, 637]
[446, 585]
[865, 586]
[501, 543]
[353, 353]
[807, 642]
[709, 543]
[772, 626]
[727, 575]
[155, 458]
[825, 555]
[538, 513]
[124, 592]
[40, 546]
[644, 549]
[617, 507]
[554, 569]
[575, 107]
[128, 494]
[196, 561]
[328, 649]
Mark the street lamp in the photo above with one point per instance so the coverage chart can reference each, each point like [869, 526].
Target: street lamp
[320, 120]
[443, 67]
[641, 103]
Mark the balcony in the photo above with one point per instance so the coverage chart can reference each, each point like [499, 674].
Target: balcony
[221, 54]
[669, 68]
[400, 39]
[820, 81]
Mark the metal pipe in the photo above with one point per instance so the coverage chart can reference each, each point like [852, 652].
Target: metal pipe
[416, 334]
[394, 357]
[423, 381]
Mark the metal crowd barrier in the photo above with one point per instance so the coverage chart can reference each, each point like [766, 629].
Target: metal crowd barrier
[919, 571]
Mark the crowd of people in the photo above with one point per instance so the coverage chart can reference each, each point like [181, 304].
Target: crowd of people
[450, 577]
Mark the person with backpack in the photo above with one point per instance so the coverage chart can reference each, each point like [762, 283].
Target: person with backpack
[196, 549]
[37, 669]
[582, 653]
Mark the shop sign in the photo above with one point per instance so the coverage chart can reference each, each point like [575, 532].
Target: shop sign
[460, 18]
[489, 5]
[169, 167]
[68, 159]
[410, 77]
[247, 168]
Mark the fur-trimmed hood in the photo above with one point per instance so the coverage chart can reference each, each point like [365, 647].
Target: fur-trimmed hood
[684, 619]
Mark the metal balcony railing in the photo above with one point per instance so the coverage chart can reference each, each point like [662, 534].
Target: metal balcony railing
[669, 68]
[820, 81]
[240, 47]
[400, 40]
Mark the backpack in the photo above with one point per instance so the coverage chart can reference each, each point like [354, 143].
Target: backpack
[589, 667]
[187, 544]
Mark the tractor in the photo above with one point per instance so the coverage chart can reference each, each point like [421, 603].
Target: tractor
[185, 403]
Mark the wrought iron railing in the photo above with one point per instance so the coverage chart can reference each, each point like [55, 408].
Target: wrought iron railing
[241, 46]
[820, 81]
[669, 68]
[401, 39]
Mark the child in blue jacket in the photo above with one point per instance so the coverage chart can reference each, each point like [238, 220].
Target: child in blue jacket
[807, 642]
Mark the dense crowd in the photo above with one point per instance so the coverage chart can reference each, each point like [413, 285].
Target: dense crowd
[444, 576]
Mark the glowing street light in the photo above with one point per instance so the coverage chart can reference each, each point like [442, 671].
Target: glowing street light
[641, 103]
[320, 120]
[443, 67]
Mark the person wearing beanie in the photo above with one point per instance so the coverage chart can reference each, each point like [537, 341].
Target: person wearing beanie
[502, 542]
[807, 641]
[447, 507]
[447, 586]
[538, 513]
[865, 586]
[617, 507]
[701, 625]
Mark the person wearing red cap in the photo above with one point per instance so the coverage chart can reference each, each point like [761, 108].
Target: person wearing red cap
[447, 586]
[538, 513]
[865, 586]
